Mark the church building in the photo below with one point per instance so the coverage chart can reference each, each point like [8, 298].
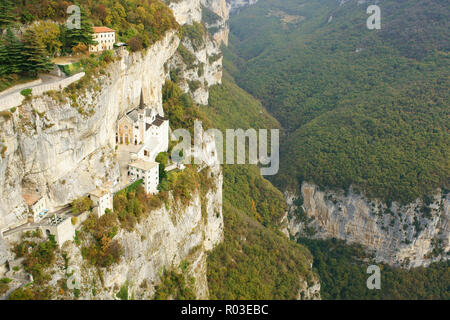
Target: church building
[143, 126]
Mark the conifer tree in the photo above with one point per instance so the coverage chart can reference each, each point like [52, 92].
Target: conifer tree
[73, 37]
[35, 56]
[7, 15]
[4, 69]
[14, 62]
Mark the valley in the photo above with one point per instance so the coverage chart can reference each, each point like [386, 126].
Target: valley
[364, 169]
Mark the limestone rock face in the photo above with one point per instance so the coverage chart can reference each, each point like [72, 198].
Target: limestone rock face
[219, 28]
[398, 235]
[63, 149]
[309, 291]
[162, 240]
[186, 11]
[197, 76]
[237, 4]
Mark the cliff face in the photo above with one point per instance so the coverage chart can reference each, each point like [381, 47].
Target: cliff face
[410, 236]
[235, 5]
[64, 148]
[204, 66]
[196, 78]
[54, 148]
[61, 152]
[165, 239]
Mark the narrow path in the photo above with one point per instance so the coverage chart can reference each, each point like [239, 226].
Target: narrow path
[46, 79]
[31, 226]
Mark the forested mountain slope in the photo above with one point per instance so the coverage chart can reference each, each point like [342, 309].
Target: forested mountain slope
[361, 107]
[255, 261]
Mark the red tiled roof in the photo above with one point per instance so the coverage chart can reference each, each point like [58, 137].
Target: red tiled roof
[102, 29]
[31, 199]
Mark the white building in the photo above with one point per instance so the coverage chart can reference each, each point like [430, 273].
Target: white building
[36, 204]
[61, 228]
[144, 127]
[102, 199]
[147, 171]
[105, 38]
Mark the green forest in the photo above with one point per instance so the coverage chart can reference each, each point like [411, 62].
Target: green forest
[360, 107]
[342, 271]
[139, 23]
[255, 261]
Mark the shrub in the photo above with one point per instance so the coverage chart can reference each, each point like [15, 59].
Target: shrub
[194, 85]
[123, 292]
[136, 44]
[81, 205]
[188, 57]
[26, 92]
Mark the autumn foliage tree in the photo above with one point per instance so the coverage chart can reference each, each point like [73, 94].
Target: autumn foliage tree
[7, 16]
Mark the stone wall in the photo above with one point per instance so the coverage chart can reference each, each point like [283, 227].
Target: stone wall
[10, 100]
[398, 235]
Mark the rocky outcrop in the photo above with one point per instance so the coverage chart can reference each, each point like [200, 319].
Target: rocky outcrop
[201, 67]
[167, 237]
[186, 11]
[410, 235]
[63, 149]
[309, 290]
[218, 25]
[235, 5]
[196, 77]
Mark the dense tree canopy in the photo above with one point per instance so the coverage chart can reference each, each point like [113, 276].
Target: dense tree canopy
[343, 275]
[147, 18]
[362, 107]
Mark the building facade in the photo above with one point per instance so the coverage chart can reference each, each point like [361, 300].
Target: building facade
[105, 38]
[144, 127]
[61, 228]
[102, 199]
[147, 171]
[37, 206]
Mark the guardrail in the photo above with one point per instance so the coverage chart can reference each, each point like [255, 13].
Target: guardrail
[20, 87]
[12, 100]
